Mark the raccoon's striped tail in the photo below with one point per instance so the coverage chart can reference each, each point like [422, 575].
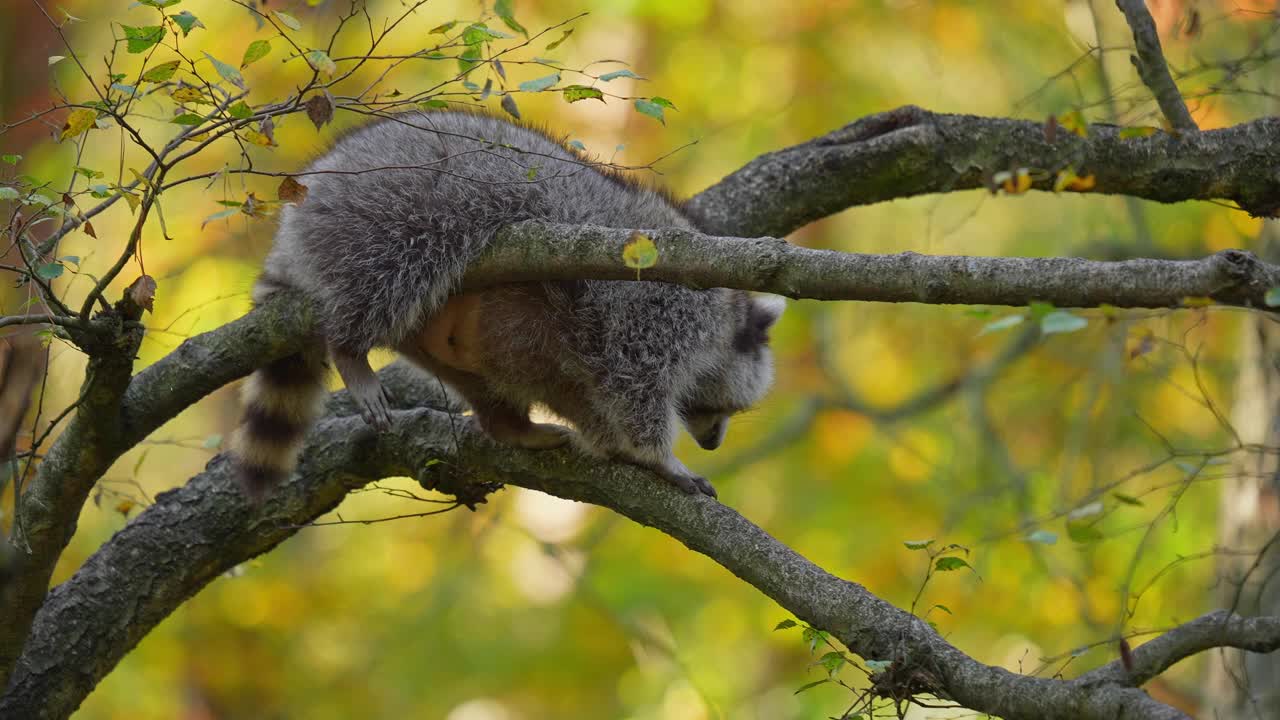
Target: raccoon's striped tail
[281, 401]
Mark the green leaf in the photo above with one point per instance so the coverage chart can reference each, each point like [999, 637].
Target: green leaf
[289, 21]
[468, 59]
[1061, 321]
[1043, 537]
[186, 21]
[12, 159]
[832, 662]
[49, 271]
[73, 259]
[577, 145]
[322, 63]
[1272, 298]
[161, 72]
[652, 109]
[433, 104]
[1003, 323]
[811, 685]
[1093, 509]
[212, 442]
[785, 625]
[8, 193]
[917, 544]
[442, 29]
[1126, 499]
[639, 253]
[227, 72]
[190, 119]
[219, 215]
[1083, 534]
[564, 36]
[878, 665]
[944, 609]
[142, 39]
[159, 4]
[240, 110]
[257, 50]
[813, 637]
[619, 74]
[574, 93]
[479, 33]
[663, 102]
[947, 564]
[541, 83]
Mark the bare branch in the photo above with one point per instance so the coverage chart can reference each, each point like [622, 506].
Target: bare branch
[1152, 67]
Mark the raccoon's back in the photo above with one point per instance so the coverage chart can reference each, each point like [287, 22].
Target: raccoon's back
[397, 210]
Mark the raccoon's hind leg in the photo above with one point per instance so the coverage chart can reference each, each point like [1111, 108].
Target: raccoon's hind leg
[502, 419]
[365, 389]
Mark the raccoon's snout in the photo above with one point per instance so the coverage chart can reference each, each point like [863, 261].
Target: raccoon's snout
[711, 437]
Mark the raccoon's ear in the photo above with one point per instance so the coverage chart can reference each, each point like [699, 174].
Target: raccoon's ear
[762, 312]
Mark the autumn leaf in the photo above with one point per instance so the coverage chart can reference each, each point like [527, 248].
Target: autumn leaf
[292, 191]
[319, 109]
[78, 122]
[142, 292]
[639, 253]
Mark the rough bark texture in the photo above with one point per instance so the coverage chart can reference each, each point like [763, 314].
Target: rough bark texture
[531, 251]
[910, 151]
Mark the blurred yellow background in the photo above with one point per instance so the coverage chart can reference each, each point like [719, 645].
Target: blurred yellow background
[539, 608]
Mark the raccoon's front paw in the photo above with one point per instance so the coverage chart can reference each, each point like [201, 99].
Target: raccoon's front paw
[692, 484]
[371, 401]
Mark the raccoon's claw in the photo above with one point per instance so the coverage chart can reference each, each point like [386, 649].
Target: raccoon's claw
[691, 484]
[371, 401]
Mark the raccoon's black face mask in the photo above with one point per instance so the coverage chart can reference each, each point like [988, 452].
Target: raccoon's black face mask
[739, 378]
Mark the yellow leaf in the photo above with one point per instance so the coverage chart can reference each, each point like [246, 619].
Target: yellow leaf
[639, 253]
[1074, 122]
[132, 199]
[1138, 132]
[198, 138]
[1015, 183]
[78, 121]
[124, 506]
[1068, 180]
[1193, 301]
[188, 94]
[256, 138]
[142, 180]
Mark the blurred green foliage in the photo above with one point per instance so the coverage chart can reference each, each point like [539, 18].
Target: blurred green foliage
[537, 608]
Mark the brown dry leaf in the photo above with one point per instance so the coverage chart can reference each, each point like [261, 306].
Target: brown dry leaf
[292, 191]
[88, 230]
[143, 292]
[319, 109]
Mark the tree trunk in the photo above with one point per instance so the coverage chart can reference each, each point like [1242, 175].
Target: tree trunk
[1247, 685]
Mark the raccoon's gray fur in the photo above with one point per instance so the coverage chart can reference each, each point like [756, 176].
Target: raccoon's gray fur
[395, 213]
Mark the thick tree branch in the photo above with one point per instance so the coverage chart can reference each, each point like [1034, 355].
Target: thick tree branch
[540, 251]
[195, 533]
[910, 151]
[1152, 67]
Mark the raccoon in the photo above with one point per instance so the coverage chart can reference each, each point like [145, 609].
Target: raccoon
[395, 213]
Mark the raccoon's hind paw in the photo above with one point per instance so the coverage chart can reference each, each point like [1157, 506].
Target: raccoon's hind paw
[374, 409]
